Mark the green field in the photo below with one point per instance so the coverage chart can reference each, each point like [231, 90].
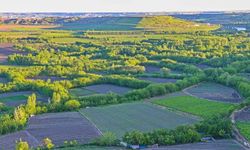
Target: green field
[134, 116]
[80, 92]
[195, 106]
[14, 98]
[244, 128]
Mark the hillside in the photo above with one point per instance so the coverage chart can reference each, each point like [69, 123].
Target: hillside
[171, 24]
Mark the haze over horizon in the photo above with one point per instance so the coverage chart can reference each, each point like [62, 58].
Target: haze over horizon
[123, 5]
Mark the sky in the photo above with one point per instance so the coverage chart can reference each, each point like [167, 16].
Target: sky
[122, 5]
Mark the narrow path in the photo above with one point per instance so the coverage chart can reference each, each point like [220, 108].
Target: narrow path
[82, 114]
[236, 133]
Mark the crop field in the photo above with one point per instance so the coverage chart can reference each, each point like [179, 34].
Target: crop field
[78, 92]
[134, 116]
[17, 98]
[107, 88]
[106, 23]
[158, 80]
[61, 127]
[8, 141]
[217, 145]
[214, 91]
[195, 106]
[119, 74]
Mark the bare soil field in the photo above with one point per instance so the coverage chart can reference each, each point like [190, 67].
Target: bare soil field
[158, 80]
[217, 145]
[8, 142]
[6, 49]
[214, 91]
[62, 127]
[46, 78]
[243, 115]
[107, 88]
[17, 98]
[203, 66]
[152, 69]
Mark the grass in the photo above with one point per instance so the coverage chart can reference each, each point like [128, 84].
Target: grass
[244, 128]
[14, 98]
[81, 92]
[134, 116]
[171, 24]
[195, 106]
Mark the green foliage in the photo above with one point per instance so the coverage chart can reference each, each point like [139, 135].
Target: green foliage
[181, 135]
[217, 126]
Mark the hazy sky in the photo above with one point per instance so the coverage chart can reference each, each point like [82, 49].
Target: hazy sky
[121, 5]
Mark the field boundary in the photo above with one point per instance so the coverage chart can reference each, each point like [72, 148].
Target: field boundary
[30, 135]
[82, 114]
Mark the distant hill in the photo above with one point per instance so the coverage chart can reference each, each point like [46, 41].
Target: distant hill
[171, 24]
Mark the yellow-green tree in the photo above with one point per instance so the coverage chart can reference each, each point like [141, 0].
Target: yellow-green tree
[22, 145]
[31, 104]
[48, 143]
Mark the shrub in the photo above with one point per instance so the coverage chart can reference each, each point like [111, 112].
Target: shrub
[107, 139]
[72, 105]
[22, 145]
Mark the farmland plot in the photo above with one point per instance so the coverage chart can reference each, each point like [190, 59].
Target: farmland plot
[214, 91]
[152, 69]
[244, 115]
[104, 23]
[134, 116]
[17, 98]
[217, 145]
[8, 142]
[107, 88]
[158, 80]
[78, 92]
[195, 106]
[62, 127]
